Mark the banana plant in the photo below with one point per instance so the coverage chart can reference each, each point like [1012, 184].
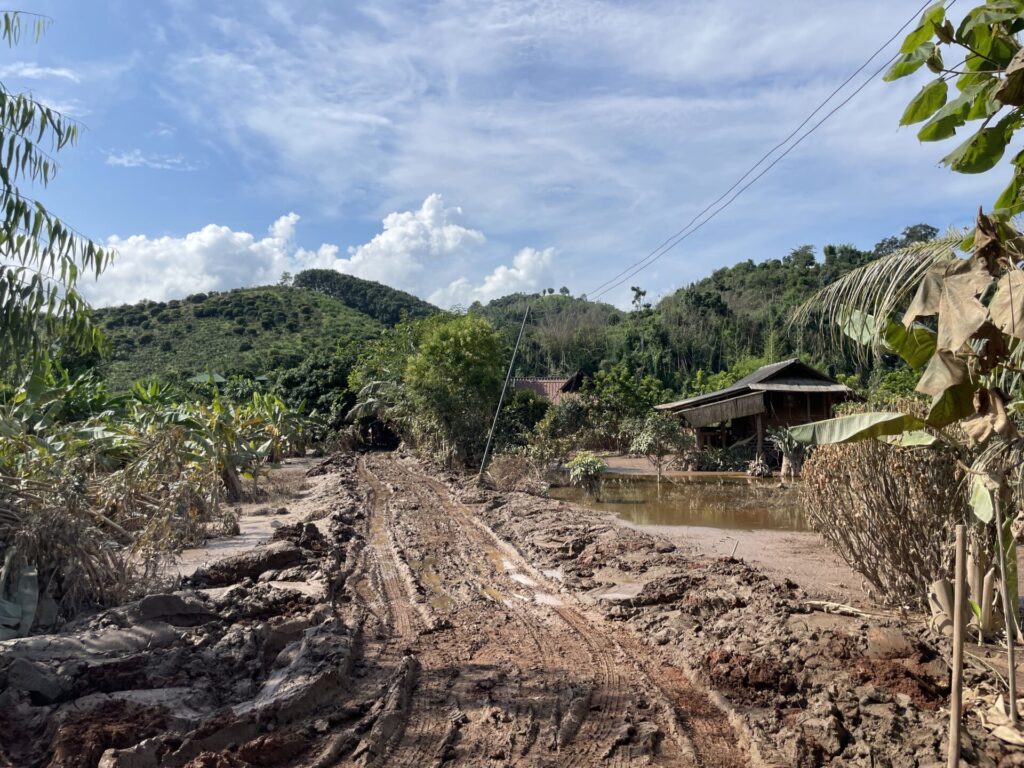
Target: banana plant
[962, 326]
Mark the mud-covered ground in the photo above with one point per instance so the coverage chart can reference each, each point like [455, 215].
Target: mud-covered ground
[410, 619]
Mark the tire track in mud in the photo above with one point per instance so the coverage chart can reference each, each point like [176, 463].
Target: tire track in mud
[706, 728]
[509, 673]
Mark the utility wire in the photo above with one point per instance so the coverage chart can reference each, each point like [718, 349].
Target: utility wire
[682, 234]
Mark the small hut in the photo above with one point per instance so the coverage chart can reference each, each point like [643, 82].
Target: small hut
[778, 395]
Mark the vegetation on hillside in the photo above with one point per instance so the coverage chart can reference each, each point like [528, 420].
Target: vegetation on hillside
[700, 337]
[248, 331]
[384, 304]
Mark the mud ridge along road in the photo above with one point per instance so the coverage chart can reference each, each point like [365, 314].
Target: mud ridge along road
[401, 617]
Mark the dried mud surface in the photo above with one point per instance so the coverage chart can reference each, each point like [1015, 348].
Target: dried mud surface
[409, 619]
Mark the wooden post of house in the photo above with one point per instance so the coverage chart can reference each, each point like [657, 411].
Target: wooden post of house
[759, 427]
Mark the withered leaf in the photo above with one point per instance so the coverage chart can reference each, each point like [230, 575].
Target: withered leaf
[990, 417]
[947, 381]
[987, 247]
[926, 300]
[1007, 305]
[961, 314]
[1011, 89]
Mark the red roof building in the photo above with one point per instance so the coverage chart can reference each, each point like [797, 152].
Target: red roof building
[551, 388]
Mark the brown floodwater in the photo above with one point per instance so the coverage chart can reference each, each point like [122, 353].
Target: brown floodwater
[705, 500]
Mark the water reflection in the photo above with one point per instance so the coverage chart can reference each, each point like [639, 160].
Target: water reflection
[713, 502]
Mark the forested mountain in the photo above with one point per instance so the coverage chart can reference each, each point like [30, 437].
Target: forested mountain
[248, 331]
[384, 304]
[720, 326]
[736, 316]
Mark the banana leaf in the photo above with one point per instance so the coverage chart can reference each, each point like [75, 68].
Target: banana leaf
[856, 426]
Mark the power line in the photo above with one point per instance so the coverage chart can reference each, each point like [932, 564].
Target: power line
[682, 234]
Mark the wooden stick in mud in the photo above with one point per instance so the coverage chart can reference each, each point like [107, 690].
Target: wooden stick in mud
[1008, 612]
[956, 686]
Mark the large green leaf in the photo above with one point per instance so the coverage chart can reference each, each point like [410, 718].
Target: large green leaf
[930, 19]
[926, 103]
[855, 427]
[980, 152]
[909, 63]
[945, 122]
[915, 345]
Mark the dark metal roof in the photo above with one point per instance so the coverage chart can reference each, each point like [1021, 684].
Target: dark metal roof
[799, 377]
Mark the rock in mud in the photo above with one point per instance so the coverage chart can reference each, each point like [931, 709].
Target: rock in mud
[43, 684]
[249, 565]
[173, 610]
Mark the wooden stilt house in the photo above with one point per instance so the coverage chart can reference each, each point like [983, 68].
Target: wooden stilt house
[778, 395]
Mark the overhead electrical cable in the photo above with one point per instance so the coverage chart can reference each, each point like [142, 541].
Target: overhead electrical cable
[682, 234]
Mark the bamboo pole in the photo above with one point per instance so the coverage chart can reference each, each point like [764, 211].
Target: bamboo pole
[956, 686]
[1008, 612]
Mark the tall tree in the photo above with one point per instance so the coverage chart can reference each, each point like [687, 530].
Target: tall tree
[41, 258]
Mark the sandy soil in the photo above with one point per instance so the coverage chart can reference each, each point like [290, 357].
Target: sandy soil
[408, 618]
[801, 557]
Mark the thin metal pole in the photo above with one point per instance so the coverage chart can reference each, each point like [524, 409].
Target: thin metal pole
[501, 400]
[956, 685]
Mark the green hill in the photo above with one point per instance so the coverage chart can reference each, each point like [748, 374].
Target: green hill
[251, 331]
[384, 304]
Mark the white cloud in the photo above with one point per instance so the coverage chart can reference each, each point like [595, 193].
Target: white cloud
[529, 269]
[420, 251]
[410, 242]
[596, 127]
[136, 158]
[30, 71]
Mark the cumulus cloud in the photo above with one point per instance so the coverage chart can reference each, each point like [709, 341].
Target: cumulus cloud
[530, 267]
[409, 242]
[136, 158]
[596, 127]
[212, 258]
[416, 250]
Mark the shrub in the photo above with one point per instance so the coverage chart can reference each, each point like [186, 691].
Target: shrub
[585, 471]
[889, 512]
[509, 472]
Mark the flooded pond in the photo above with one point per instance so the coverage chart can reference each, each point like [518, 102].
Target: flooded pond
[705, 500]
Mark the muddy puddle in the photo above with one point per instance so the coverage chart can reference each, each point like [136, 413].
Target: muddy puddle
[704, 501]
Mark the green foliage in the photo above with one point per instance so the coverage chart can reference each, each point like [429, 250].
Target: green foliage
[319, 384]
[436, 382]
[614, 399]
[660, 438]
[249, 331]
[452, 384]
[39, 302]
[990, 85]
[386, 305]
[585, 470]
[522, 411]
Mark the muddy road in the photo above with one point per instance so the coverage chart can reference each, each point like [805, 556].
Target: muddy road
[509, 670]
[401, 617]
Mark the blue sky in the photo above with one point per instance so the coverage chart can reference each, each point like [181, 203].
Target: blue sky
[462, 150]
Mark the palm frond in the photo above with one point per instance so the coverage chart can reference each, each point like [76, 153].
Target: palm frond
[881, 289]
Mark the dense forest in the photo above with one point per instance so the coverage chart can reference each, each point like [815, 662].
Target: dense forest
[734, 318]
[306, 338]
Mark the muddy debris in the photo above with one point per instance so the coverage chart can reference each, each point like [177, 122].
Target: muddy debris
[412, 619]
